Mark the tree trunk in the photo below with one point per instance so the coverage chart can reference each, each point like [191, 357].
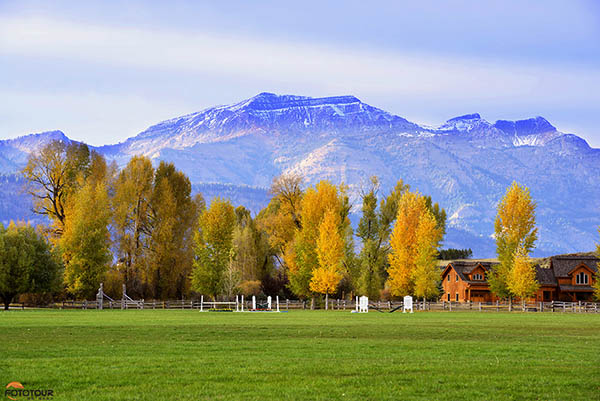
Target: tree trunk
[326, 300]
[7, 300]
[312, 303]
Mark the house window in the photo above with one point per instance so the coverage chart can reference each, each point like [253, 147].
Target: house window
[457, 297]
[448, 277]
[477, 276]
[457, 277]
[581, 278]
[448, 297]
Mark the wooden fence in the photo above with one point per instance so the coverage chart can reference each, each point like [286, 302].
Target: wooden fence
[334, 304]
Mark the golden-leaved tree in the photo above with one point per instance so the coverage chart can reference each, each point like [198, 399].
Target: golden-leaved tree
[53, 176]
[514, 229]
[522, 281]
[414, 242]
[301, 253]
[85, 242]
[172, 220]
[212, 246]
[330, 253]
[426, 275]
[131, 219]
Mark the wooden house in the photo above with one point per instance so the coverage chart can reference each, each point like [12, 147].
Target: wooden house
[561, 278]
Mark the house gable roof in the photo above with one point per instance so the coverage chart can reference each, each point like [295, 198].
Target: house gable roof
[585, 266]
[465, 267]
[564, 265]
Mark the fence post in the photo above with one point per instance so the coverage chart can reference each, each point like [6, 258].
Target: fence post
[479, 306]
[497, 306]
[450, 305]
[287, 304]
[201, 303]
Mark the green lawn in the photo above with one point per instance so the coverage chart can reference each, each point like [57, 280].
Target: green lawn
[176, 355]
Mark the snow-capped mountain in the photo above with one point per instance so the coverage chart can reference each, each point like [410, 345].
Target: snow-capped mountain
[465, 163]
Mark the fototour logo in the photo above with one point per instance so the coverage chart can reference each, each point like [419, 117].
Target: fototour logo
[15, 391]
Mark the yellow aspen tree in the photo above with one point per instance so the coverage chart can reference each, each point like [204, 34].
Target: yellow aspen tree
[514, 228]
[330, 252]
[85, 242]
[522, 281]
[403, 243]
[426, 275]
[315, 202]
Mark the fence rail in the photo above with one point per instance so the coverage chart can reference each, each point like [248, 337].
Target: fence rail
[334, 304]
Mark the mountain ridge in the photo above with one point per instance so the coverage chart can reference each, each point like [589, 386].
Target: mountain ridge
[465, 163]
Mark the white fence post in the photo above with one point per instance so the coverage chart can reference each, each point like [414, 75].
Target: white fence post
[201, 303]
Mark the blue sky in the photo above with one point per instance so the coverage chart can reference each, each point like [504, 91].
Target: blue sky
[104, 71]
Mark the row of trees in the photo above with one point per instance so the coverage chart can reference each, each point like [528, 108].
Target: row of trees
[141, 226]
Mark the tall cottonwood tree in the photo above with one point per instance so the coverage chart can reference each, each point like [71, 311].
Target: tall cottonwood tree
[53, 176]
[374, 230]
[414, 243]
[212, 247]
[173, 214]
[133, 189]
[514, 229]
[330, 254]
[251, 253]
[300, 254]
[282, 216]
[85, 243]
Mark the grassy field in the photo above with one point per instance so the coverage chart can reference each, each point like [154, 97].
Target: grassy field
[187, 355]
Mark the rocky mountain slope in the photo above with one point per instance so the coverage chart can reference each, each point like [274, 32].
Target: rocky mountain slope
[465, 164]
